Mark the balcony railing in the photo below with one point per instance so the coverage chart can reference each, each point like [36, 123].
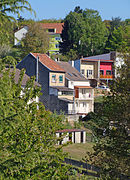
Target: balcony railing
[71, 112]
[106, 76]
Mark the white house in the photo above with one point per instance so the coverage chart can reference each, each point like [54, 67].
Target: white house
[83, 92]
[19, 34]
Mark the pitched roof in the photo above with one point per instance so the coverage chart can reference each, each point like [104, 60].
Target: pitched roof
[71, 73]
[24, 80]
[48, 62]
[57, 26]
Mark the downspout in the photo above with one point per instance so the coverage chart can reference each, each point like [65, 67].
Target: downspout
[37, 69]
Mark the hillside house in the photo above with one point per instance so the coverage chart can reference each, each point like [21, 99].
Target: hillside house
[54, 30]
[83, 92]
[96, 70]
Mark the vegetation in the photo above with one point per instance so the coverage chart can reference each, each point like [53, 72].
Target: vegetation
[27, 133]
[78, 151]
[84, 33]
[110, 126]
[14, 7]
[36, 40]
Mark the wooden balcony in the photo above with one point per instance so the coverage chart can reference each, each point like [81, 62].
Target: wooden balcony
[106, 76]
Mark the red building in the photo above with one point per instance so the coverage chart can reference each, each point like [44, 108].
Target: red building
[106, 70]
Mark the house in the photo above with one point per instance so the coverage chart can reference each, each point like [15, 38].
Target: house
[19, 34]
[71, 135]
[23, 83]
[54, 30]
[96, 70]
[83, 92]
[55, 96]
[116, 57]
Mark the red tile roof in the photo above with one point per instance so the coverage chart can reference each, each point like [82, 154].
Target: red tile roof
[48, 62]
[57, 26]
[69, 130]
[84, 87]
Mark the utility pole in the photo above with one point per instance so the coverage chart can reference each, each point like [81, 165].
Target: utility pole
[37, 69]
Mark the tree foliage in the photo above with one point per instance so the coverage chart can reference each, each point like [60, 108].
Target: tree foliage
[28, 147]
[118, 34]
[111, 128]
[83, 32]
[10, 7]
[36, 40]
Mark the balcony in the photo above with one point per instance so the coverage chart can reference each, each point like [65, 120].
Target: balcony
[106, 76]
[71, 112]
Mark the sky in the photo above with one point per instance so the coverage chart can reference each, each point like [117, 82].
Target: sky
[59, 9]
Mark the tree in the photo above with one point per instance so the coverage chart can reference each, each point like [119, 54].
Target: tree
[111, 128]
[14, 7]
[117, 35]
[83, 32]
[28, 147]
[117, 39]
[36, 40]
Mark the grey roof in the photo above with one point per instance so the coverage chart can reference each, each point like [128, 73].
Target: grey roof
[71, 72]
[25, 77]
[62, 88]
[101, 56]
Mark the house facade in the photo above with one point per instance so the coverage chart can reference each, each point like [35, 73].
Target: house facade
[54, 30]
[83, 92]
[19, 34]
[55, 96]
[64, 89]
[96, 70]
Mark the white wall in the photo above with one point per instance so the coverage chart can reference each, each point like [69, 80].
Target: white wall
[20, 34]
[71, 84]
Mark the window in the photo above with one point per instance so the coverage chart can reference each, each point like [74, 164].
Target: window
[108, 72]
[57, 38]
[61, 78]
[83, 91]
[51, 30]
[53, 78]
[82, 71]
[56, 45]
[89, 73]
[101, 72]
[67, 92]
[84, 104]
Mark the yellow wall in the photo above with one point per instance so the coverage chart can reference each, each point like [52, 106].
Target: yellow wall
[90, 66]
[57, 83]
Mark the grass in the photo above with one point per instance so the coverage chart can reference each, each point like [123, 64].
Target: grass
[78, 151]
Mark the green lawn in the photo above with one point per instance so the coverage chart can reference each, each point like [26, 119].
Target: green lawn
[78, 151]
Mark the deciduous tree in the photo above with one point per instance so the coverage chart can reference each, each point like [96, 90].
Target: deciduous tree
[36, 40]
[28, 141]
[111, 128]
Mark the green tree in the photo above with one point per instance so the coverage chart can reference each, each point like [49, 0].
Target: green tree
[12, 7]
[111, 128]
[83, 32]
[118, 39]
[28, 141]
[36, 40]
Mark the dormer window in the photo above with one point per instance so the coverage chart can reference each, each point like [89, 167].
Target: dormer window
[51, 30]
